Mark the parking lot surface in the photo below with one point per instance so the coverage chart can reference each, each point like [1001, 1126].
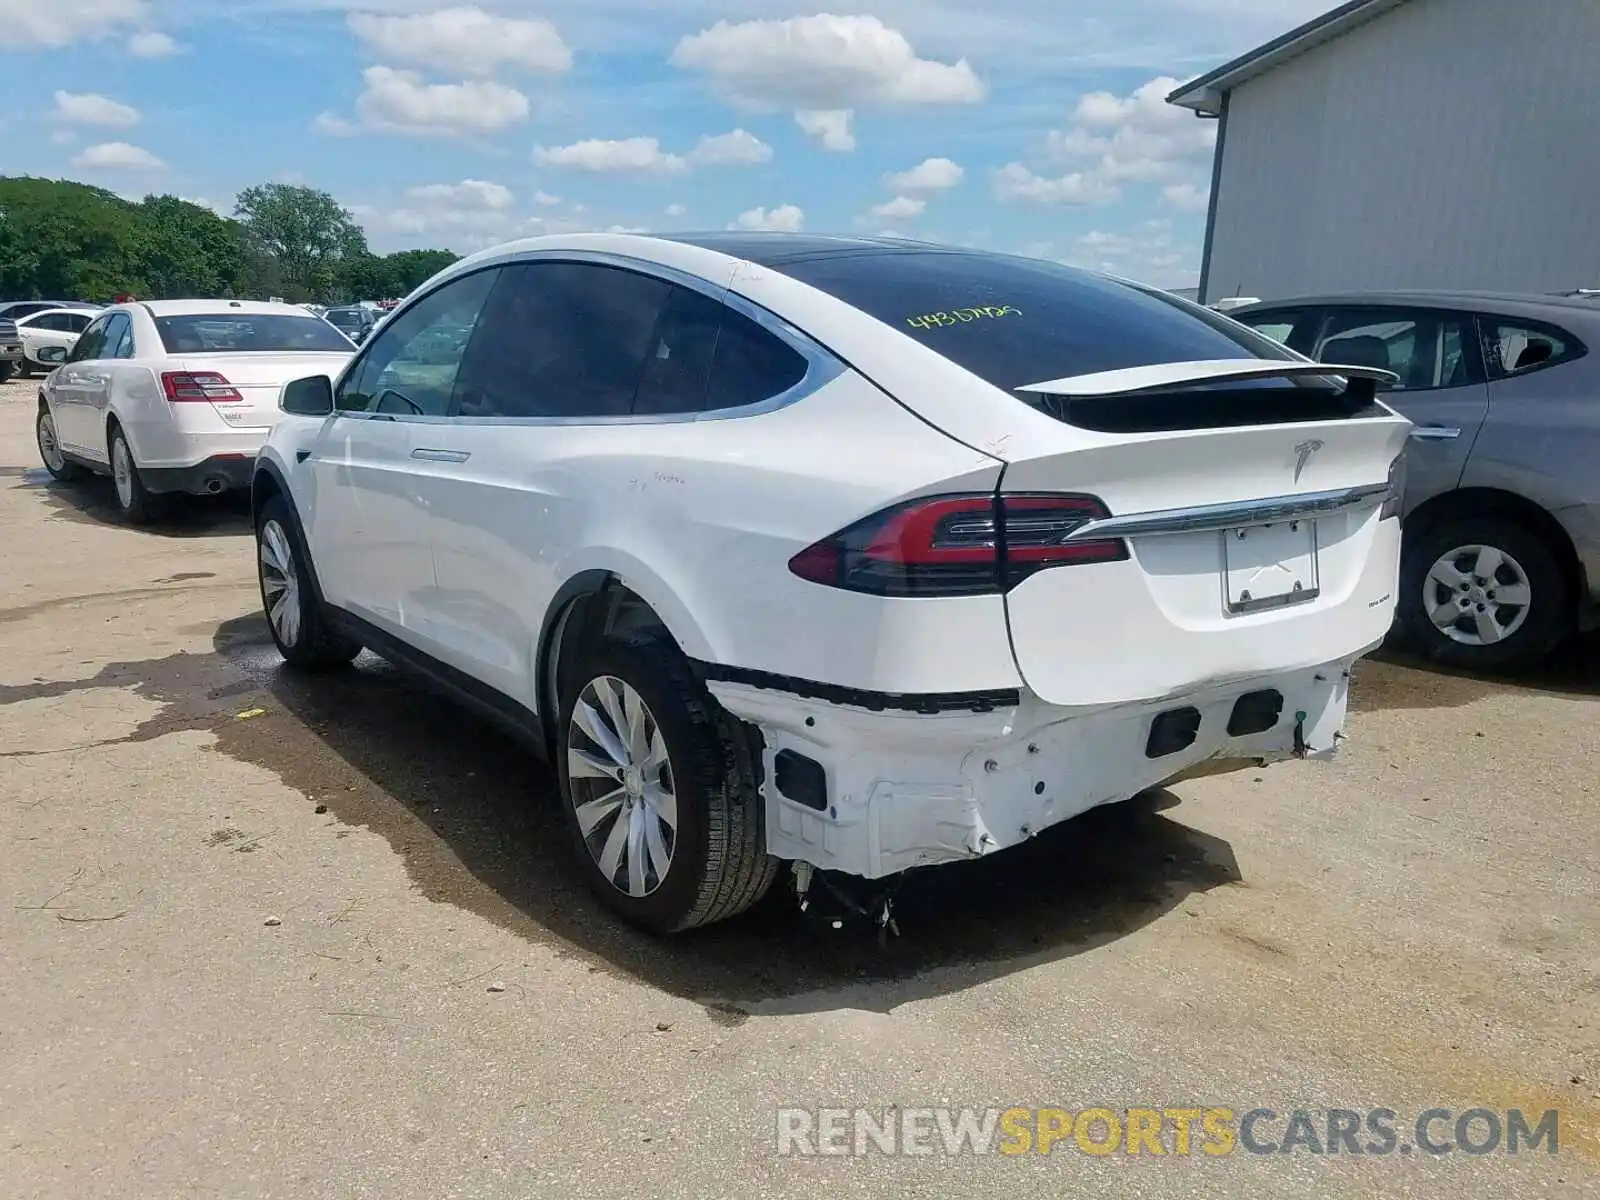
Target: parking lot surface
[270, 936]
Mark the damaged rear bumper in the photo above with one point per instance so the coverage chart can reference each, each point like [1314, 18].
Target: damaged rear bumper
[875, 791]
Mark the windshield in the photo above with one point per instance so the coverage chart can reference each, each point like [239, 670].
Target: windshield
[244, 333]
[1014, 321]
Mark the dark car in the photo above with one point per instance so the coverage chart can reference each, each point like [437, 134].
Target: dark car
[1501, 558]
[354, 321]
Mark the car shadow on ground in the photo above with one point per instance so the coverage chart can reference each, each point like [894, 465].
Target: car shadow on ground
[474, 815]
[1396, 678]
[91, 502]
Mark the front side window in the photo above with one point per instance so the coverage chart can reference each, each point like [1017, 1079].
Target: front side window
[1516, 347]
[564, 339]
[88, 346]
[410, 365]
[1426, 350]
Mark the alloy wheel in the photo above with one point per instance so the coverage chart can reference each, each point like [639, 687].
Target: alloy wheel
[49, 446]
[122, 471]
[622, 786]
[1477, 595]
[280, 584]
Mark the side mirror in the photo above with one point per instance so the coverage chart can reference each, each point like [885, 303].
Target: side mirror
[54, 355]
[308, 397]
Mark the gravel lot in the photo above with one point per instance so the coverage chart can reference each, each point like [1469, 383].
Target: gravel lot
[441, 1010]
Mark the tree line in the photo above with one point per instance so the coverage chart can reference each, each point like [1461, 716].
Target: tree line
[69, 241]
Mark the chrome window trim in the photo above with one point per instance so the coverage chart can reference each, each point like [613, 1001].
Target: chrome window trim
[822, 366]
[1207, 518]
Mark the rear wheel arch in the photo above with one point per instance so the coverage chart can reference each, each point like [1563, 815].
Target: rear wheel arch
[592, 605]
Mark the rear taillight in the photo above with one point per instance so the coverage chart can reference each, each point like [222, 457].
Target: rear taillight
[957, 545]
[197, 385]
[1394, 498]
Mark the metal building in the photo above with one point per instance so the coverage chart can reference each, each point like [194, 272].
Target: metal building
[1408, 144]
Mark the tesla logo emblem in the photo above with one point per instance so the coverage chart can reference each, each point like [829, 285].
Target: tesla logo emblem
[1302, 455]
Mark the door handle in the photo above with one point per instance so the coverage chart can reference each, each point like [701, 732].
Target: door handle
[1434, 433]
[449, 456]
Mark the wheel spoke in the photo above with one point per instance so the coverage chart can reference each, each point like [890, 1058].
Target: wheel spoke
[1489, 560]
[1447, 574]
[290, 632]
[610, 856]
[599, 732]
[633, 715]
[591, 814]
[637, 817]
[1513, 595]
[1489, 631]
[606, 691]
[663, 803]
[655, 756]
[660, 856]
[583, 764]
[1445, 615]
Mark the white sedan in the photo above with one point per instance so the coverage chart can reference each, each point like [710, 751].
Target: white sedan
[57, 327]
[854, 554]
[173, 396]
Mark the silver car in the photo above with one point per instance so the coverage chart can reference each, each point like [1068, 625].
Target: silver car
[1501, 558]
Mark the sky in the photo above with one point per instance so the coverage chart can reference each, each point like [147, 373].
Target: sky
[1030, 126]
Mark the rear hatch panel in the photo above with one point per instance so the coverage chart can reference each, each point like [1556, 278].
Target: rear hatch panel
[258, 379]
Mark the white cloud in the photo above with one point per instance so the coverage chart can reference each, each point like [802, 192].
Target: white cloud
[675, 210]
[1186, 197]
[600, 156]
[334, 125]
[1146, 253]
[118, 156]
[468, 194]
[901, 208]
[91, 108]
[736, 148]
[35, 23]
[63, 137]
[1014, 181]
[1138, 138]
[930, 175]
[626, 229]
[644, 155]
[396, 101]
[831, 127]
[785, 218]
[151, 44]
[201, 201]
[823, 63]
[464, 39]
[546, 199]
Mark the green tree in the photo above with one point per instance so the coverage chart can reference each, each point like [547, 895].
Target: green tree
[410, 268]
[67, 240]
[304, 232]
[188, 250]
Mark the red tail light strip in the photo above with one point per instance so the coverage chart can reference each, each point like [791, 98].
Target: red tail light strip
[203, 386]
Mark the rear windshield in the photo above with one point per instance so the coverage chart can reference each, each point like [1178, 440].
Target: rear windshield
[235, 333]
[1015, 321]
[346, 318]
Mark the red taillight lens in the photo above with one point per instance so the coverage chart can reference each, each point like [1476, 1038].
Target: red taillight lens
[197, 385]
[957, 545]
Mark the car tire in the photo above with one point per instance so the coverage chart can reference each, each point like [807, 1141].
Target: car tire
[1439, 577]
[698, 807]
[295, 617]
[61, 468]
[7, 370]
[136, 504]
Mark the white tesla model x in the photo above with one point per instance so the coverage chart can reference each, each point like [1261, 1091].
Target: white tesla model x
[858, 554]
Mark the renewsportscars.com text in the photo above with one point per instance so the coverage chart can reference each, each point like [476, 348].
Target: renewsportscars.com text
[1168, 1131]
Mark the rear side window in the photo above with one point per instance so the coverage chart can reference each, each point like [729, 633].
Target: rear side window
[1015, 321]
[1513, 347]
[242, 333]
[706, 357]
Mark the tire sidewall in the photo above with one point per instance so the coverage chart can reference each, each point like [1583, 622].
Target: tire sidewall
[143, 506]
[1548, 614]
[697, 767]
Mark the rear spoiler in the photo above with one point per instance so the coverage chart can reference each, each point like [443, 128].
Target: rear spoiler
[1131, 381]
